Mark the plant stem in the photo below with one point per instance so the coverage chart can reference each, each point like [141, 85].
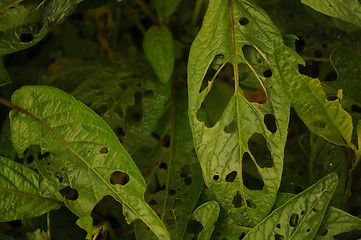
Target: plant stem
[135, 19]
[196, 12]
[150, 14]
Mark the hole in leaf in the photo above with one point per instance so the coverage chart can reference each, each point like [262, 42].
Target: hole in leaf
[29, 159]
[103, 150]
[243, 21]
[237, 200]
[314, 209]
[153, 202]
[279, 237]
[332, 98]
[69, 193]
[26, 37]
[216, 176]
[163, 165]
[355, 108]
[231, 127]
[135, 112]
[308, 230]
[322, 231]
[188, 181]
[294, 220]
[278, 226]
[185, 171]
[251, 178]
[267, 73]
[165, 142]
[119, 177]
[319, 124]
[231, 176]
[194, 227]
[300, 44]
[250, 203]
[155, 135]
[242, 236]
[259, 149]
[258, 96]
[270, 122]
[212, 70]
[218, 97]
[302, 212]
[148, 94]
[44, 155]
[172, 192]
[154, 186]
[330, 77]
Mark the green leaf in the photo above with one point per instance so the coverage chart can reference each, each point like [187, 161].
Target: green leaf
[347, 10]
[19, 193]
[232, 153]
[38, 235]
[337, 222]
[323, 117]
[165, 8]
[207, 215]
[85, 148]
[56, 11]
[300, 217]
[131, 105]
[4, 76]
[22, 37]
[171, 170]
[159, 49]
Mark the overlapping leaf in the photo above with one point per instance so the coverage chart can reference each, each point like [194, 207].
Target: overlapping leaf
[129, 104]
[171, 170]
[241, 34]
[347, 10]
[323, 117]
[19, 193]
[300, 217]
[85, 148]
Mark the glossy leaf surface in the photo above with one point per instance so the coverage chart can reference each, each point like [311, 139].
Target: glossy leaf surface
[238, 35]
[19, 193]
[85, 148]
[300, 217]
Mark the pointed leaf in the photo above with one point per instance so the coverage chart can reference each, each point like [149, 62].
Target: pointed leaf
[207, 215]
[239, 35]
[19, 194]
[172, 171]
[323, 117]
[347, 10]
[159, 49]
[85, 148]
[300, 217]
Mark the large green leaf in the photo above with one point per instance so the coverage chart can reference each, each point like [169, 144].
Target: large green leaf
[159, 49]
[347, 10]
[300, 217]
[323, 117]
[19, 193]
[239, 35]
[85, 148]
[131, 105]
[171, 170]
[22, 37]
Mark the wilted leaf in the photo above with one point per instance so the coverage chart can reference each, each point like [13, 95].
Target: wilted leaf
[241, 154]
[347, 10]
[300, 217]
[171, 170]
[19, 194]
[85, 148]
[159, 49]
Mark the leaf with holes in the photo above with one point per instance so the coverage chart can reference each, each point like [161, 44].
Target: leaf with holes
[301, 216]
[159, 49]
[207, 215]
[85, 148]
[337, 224]
[19, 38]
[241, 153]
[171, 170]
[323, 117]
[129, 104]
[20, 194]
[347, 10]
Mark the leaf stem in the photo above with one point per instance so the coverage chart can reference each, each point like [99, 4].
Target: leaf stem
[150, 14]
[135, 18]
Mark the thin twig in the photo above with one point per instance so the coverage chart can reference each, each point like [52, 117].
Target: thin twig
[150, 14]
